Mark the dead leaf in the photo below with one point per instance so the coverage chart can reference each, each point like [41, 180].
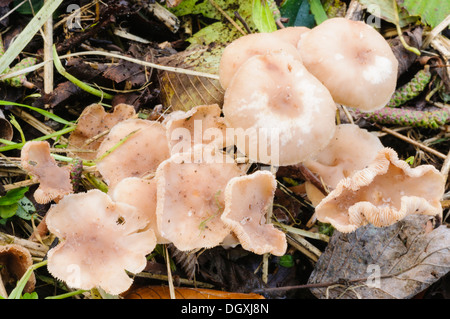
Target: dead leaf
[181, 91]
[406, 58]
[394, 262]
[162, 292]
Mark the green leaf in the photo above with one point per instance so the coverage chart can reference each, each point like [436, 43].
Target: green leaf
[286, 261]
[298, 13]
[13, 196]
[318, 11]
[431, 12]
[262, 16]
[384, 9]
[7, 211]
[32, 295]
[26, 209]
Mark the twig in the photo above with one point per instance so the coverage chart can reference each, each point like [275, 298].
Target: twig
[294, 242]
[36, 249]
[436, 30]
[48, 43]
[227, 17]
[116, 56]
[413, 142]
[31, 120]
[169, 275]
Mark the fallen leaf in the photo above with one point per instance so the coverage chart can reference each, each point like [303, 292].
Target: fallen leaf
[163, 292]
[395, 262]
[182, 91]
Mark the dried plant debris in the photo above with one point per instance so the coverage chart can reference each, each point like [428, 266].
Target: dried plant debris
[393, 262]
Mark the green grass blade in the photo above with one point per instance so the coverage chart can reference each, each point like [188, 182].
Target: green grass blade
[50, 115]
[28, 33]
[318, 11]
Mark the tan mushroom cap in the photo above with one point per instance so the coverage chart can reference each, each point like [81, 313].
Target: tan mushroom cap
[140, 193]
[353, 61]
[92, 122]
[281, 114]
[351, 149]
[191, 198]
[145, 147]
[54, 180]
[17, 259]
[247, 201]
[100, 239]
[382, 194]
[243, 48]
[291, 34]
[200, 125]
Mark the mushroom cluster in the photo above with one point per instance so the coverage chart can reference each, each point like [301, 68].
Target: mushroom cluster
[282, 106]
[179, 181]
[168, 182]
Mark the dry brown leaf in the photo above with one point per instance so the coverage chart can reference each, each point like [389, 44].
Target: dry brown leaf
[395, 262]
[162, 292]
[181, 91]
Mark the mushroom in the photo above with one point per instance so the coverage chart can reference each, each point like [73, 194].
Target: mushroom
[247, 201]
[351, 149]
[190, 197]
[280, 113]
[353, 61]
[54, 180]
[241, 49]
[140, 193]
[92, 123]
[291, 34]
[144, 147]
[14, 262]
[200, 125]
[382, 194]
[100, 239]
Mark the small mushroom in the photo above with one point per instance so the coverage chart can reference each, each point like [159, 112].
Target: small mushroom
[382, 194]
[291, 34]
[54, 180]
[353, 61]
[351, 149]
[14, 262]
[190, 198]
[200, 125]
[140, 193]
[144, 147]
[92, 122]
[247, 201]
[100, 239]
[241, 49]
[280, 113]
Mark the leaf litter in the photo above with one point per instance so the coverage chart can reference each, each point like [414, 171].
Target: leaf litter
[405, 260]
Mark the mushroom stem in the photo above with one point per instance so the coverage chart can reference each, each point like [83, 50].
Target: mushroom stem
[265, 268]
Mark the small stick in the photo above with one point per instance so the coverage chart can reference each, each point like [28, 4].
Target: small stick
[48, 68]
[169, 275]
[227, 17]
[413, 142]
